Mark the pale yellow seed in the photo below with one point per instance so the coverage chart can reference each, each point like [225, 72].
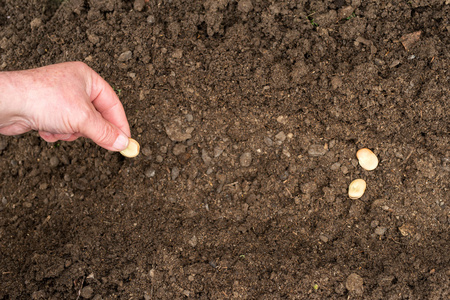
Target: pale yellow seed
[356, 188]
[132, 149]
[367, 159]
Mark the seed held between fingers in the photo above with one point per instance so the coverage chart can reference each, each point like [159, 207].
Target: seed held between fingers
[356, 188]
[367, 159]
[132, 149]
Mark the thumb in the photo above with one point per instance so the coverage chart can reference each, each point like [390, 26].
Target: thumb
[105, 134]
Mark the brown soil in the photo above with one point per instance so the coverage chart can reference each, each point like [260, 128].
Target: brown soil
[249, 114]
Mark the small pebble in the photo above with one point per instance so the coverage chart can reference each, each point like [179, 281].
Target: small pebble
[65, 160]
[139, 5]
[175, 173]
[286, 152]
[281, 136]
[87, 292]
[125, 56]
[354, 283]
[205, 157]
[344, 169]
[151, 273]
[150, 172]
[54, 161]
[380, 230]
[151, 19]
[335, 166]
[159, 159]
[282, 119]
[179, 149]
[193, 241]
[189, 117]
[163, 149]
[94, 39]
[394, 63]
[332, 144]
[36, 23]
[217, 151]
[245, 6]
[308, 188]
[323, 238]
[374, 223]
[268, 141]
[245, 159]
[178, 53]
[146, 151]
[317, 150]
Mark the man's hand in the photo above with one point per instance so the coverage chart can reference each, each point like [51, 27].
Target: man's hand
[63, 102]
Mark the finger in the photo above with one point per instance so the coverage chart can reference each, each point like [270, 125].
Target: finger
[53, 137]
[108, 104]
[104, 133]
[47, 136]
[65, 137]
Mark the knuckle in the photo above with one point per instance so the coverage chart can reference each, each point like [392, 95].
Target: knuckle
[106, 135]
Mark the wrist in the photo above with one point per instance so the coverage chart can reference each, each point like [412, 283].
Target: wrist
[12, 98]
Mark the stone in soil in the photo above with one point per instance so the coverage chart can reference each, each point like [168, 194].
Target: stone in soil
[54, 161]
[317, 150]
[150, 172]
[380, 230]
[175, 131]
[87, 292]
[179, 149]
[355, 283]
[246, 159]
[125, 56]
[281, 136]
[175, 173]
[139, 5]
[205, 157]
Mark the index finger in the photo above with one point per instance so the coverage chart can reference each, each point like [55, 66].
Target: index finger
[108, 104]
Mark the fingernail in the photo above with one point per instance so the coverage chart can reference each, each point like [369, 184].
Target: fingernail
[121, 143]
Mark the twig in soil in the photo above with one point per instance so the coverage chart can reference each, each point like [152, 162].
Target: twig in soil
[398, 242]
[409, 155]
[290, 195]
[81, 286]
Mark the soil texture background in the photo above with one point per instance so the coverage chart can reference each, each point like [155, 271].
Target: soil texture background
[249, 114]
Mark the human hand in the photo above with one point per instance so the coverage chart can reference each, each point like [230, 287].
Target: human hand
[63, 102]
